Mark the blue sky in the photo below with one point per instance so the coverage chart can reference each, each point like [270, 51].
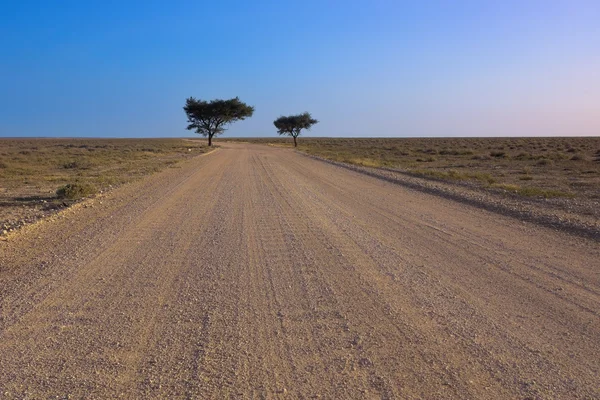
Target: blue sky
[363, 68]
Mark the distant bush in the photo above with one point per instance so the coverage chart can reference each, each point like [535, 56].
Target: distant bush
[74, 191]
[76, 165]
[558, 156]
[448, 152]
[523, 156]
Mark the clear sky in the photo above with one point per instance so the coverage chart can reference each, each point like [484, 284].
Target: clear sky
[363, 68]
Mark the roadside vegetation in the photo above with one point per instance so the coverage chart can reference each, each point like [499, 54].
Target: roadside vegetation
[39, 175]
[531, 167]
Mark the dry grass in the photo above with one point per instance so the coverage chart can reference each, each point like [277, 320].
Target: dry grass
[533, 167]
[41, 173]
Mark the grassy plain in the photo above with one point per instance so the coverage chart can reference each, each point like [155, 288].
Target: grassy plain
[33, 170]
[532, 167]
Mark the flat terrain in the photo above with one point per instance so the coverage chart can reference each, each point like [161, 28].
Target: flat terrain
[254, 271]
[31, 170]
[547, 167]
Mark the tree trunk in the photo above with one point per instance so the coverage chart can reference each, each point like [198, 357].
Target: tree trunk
[209, 140]
[295, 143]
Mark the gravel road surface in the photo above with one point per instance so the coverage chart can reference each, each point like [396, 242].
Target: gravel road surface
[256, 272]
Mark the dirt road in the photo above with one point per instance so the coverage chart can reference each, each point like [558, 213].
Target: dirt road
[256, 272]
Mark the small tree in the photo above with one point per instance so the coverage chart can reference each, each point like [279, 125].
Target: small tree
[293, 124]
[209, 118]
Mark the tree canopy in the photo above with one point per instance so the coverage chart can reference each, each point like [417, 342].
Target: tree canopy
[293, 124]
[209, 118]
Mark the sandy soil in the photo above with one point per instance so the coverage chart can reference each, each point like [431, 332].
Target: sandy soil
[255, 272]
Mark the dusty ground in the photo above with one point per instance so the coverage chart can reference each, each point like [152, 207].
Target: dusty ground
[531, 167]
[258, 272]
[31, 170]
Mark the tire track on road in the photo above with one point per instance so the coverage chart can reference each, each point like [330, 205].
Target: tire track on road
[259, 273]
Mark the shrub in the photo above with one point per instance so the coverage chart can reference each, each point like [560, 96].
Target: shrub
[74, 191]
[448, 152]
[70, 165]
[80, 164]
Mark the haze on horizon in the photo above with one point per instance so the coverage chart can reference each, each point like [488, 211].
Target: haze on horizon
[363, 68]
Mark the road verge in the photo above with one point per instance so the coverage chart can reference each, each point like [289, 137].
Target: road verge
[551, 213]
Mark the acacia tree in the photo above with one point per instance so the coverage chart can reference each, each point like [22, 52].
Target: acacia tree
[293, 124]
[209, 118]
